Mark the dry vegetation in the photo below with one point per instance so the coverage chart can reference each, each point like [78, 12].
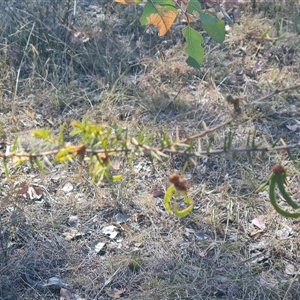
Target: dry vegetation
[100, 63]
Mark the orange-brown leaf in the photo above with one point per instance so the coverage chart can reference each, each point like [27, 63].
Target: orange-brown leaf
[162, 20]
[126, 1]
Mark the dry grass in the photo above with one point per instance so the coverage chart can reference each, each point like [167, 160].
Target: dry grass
[126, 75]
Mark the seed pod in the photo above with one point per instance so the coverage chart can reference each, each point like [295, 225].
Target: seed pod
[272, 185]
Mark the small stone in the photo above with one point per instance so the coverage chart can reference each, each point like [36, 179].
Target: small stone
[67, 188]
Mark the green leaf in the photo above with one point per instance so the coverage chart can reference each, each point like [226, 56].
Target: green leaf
[41, 134]
[194, 8]
[211, 139]
[18, 161]
[116, 177]
[65, 154]
[208, 18]
[60, 137]
[193, 63]
[193, 48]
[5, 167]
[213, 26]
[37, 163]
[15, 144]
[249, 154]
[276, 141]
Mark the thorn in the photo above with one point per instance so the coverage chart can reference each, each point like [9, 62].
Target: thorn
[205, 126]
[177, 134]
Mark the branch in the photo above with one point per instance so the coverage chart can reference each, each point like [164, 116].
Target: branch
[171, 149]
[237, 114]
[148, 150]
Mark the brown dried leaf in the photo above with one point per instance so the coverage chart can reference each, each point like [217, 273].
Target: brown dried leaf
[23, 189]
[259, 222]
[115, 293]
[125, 227]
[157, 193]
[292, 127]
